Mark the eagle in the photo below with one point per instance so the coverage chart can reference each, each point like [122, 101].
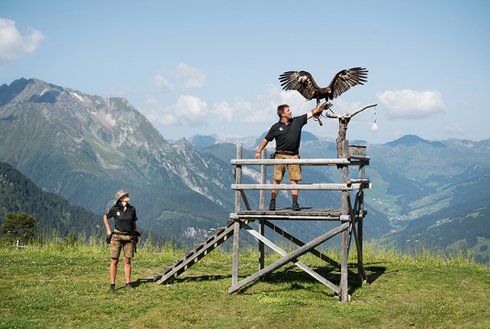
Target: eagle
[304, 83]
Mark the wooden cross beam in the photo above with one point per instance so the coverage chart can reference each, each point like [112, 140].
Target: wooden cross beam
[300, 243]
[282, 252]
[289, 257]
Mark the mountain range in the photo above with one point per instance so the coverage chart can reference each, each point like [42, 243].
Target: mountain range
[84, 148]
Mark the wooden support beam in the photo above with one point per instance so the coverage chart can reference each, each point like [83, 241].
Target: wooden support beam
[245, 199]
[236, 253]
[306, 162]
[287, 214]
[344, 255]
[236, 225]
[325, 186]
[286, 259]
[263, 180]
[300, 243]
[282, 252]
[261, 245]
[343, 151]
[360, 265]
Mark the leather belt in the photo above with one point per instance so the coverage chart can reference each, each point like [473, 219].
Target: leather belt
[287, 152]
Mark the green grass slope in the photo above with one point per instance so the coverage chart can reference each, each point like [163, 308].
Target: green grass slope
[67, 287]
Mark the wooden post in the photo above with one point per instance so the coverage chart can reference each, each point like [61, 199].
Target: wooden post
[344, 150]
[362, 175]
[344, 292]
[236, 228]
[261, 245]
[263, 180]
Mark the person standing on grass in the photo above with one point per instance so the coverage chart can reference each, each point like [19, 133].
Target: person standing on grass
[121, 238]
[287, 133]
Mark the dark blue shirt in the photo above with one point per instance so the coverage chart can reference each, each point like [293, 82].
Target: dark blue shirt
[288, 137]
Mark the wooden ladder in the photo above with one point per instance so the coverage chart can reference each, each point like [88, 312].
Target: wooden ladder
[183, 264]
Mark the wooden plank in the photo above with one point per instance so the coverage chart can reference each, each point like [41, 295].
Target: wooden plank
[286, 259]
[288, 213]
[362, 182]
[236, 251]
[261, 245]
[285, 217]
[361, 158]
[344, 292]
[238, 177]
[321, 186]
[300, 243]
[305, 162]
[344, 252]
[282, 252]
[236, 225]
[263, 180]
[360, 265]
[361, 214]
[245, 199]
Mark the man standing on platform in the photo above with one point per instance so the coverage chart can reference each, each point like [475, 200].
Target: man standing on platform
[287, 133]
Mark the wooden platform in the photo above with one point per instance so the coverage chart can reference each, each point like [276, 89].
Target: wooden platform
[327, 214]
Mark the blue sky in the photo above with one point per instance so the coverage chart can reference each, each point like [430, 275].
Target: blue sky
[212, 67]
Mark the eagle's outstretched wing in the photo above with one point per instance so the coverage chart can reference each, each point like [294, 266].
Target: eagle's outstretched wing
[301, 81]
[345, 79]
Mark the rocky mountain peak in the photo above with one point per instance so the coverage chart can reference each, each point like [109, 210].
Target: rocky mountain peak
[69, 133]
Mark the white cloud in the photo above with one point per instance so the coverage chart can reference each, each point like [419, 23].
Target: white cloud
[161, 83]
[192, 77]
[13, 44]
[191, 108]
[187, 111]
[223, 111]
[411, 104]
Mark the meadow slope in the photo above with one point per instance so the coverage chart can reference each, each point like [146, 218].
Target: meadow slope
[57, 286]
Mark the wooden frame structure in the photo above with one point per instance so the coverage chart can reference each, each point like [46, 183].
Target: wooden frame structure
[350, 217]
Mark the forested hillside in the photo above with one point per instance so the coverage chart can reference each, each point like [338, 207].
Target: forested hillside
[52, 212]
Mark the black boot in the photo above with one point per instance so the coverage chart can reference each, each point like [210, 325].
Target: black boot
[295, 206]
[272, 205]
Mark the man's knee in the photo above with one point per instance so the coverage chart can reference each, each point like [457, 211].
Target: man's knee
[127, 260]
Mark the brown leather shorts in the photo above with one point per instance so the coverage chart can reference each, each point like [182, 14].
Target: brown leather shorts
[293, 170]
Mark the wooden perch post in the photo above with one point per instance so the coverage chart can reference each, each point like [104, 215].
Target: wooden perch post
[344, 120]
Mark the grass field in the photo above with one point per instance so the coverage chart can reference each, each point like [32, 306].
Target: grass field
[67, 287]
